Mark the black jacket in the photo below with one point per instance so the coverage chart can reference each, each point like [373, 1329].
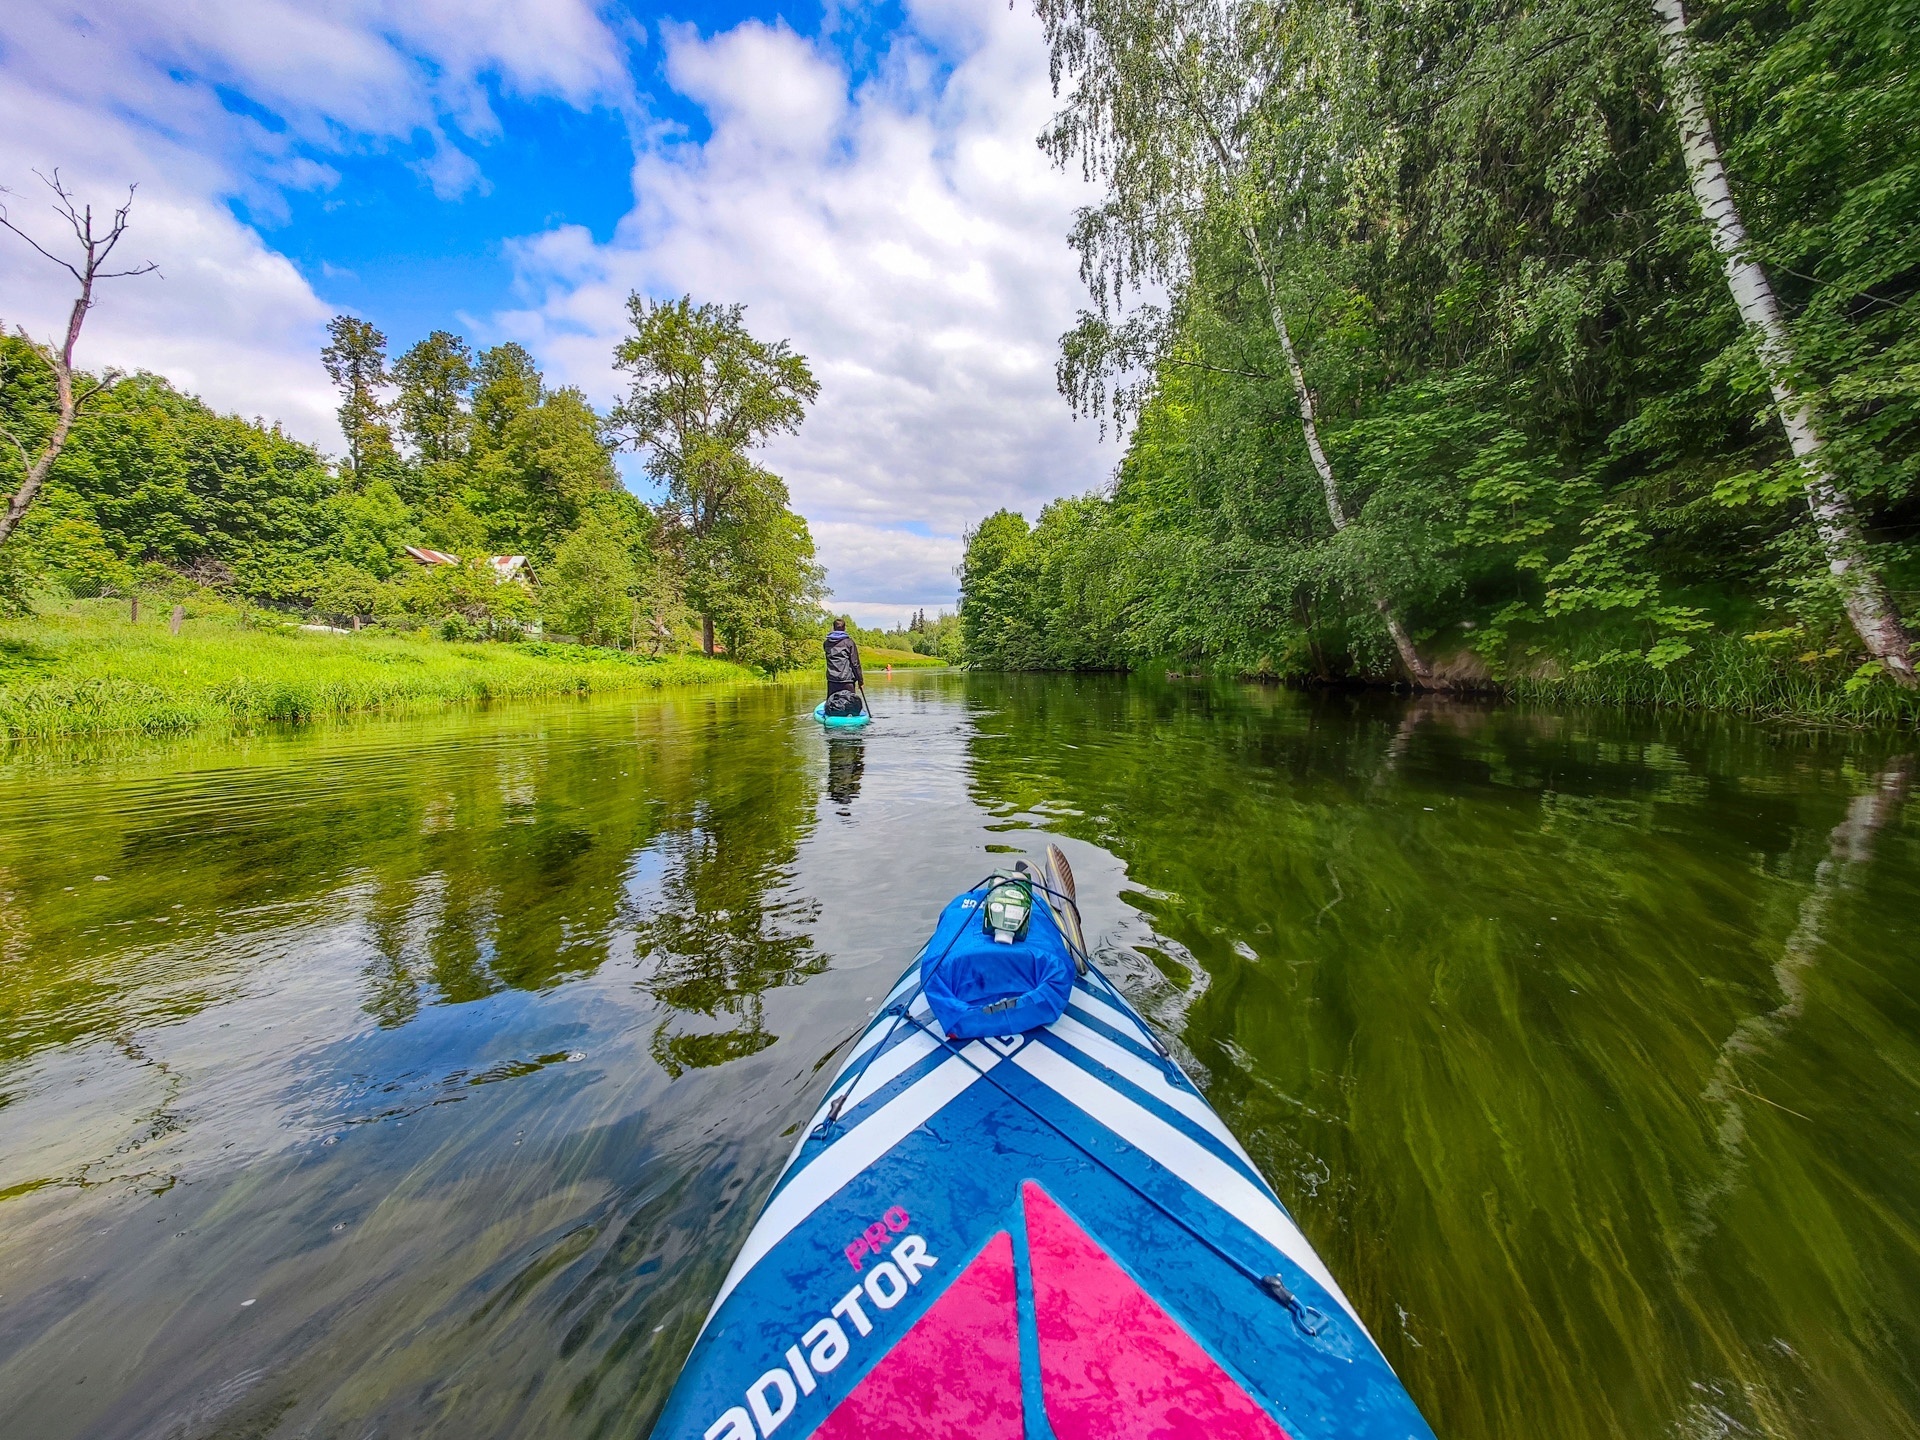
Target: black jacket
[843, 662]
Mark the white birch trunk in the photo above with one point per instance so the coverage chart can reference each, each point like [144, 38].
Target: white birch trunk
[1416, 666]
[1863, 592]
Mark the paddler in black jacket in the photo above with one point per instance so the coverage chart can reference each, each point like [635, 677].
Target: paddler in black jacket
[844, 677]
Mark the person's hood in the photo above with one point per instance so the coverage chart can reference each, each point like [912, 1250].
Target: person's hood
[836, 632]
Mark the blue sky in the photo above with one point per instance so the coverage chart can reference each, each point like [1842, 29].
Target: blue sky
[863, 178]
[379, 242]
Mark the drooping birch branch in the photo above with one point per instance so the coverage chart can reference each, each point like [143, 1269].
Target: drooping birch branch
[1418, 671]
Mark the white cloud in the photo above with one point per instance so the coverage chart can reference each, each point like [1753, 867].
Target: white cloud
[114, 91]
[906, 234]
[886, 566]
[767, 92]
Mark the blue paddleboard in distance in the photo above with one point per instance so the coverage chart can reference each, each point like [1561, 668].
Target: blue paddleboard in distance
[839, 722]
[1041, 1236]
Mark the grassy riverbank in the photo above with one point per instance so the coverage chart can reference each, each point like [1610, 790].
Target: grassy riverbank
[878, 657]
[95, 673]
[1730, 675]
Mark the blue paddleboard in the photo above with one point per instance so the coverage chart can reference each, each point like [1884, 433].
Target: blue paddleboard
[839, 722]
[1040, 1236]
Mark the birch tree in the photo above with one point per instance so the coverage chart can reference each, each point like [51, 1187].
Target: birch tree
[1862, 589]
[1165, 102]
[73, 391]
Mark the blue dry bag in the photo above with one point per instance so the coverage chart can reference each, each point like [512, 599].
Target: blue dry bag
[978, 985]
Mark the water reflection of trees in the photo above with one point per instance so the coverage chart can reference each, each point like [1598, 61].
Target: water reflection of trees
[458, 868]
[673, 853]
[719, 935]
[1468, 973]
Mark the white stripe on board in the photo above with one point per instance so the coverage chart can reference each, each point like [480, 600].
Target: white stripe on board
[1111, 1016]
[877, 1029]
[902, 1057]
[1199, 1167]
[874, 1034]
[853, 1153]
[896, 1062]
[1150, 1078]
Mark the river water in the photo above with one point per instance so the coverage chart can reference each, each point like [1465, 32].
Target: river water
[419, 1078]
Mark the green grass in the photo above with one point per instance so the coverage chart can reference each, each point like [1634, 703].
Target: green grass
[875, 657]
[92, 672]
[1729, 674]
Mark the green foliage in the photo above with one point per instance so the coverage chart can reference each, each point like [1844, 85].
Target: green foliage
[17, 580]
[1820, 103]
[538, 477]
[150, 475]
[467, 601]
[61, 544]
[356, 361]
[1553, 437]
[703, 392]
[754, 573]
[989, 581]
[370, 528]
[938, 638]
[154, 486]
[1055, 596]
[506, 384]
[434, 378]
[344, 592]
[596, 584]
[447, 525]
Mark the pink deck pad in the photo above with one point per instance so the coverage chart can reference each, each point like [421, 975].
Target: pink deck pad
[955, 1375]
[1113, 1364]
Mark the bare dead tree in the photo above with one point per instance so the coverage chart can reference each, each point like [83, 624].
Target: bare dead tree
[89, 270]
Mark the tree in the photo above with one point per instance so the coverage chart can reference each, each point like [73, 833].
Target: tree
[434, 377]
[89, 270]
[703, 392]
[591, 585]
[343, 592]
[1170, 104]
[760, 583]
[506, 384]
[356, 359]
[469, 600]
[1863, 591]
[369, 528]
[986, 593]
[163, 478]
[537, 480]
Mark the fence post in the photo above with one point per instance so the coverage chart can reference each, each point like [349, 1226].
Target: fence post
[179, 615]
[133, 609]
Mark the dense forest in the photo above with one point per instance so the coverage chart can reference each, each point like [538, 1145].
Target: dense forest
[471, 454]
[1444, 359]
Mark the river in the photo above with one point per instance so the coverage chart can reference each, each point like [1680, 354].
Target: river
[420, 1077]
